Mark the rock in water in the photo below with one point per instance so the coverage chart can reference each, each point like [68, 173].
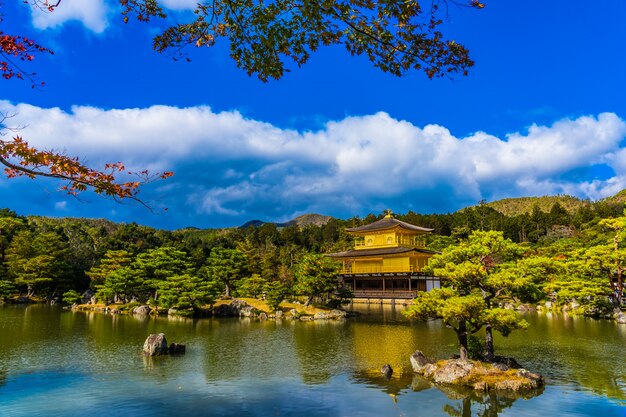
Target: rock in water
[176, 349]
[621, 318]
[387, 371]
[155, 345]
[142, 310]
[419, 361]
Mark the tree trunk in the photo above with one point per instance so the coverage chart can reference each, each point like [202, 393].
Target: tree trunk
[462, 334]
[309, 300]
[467, 407]
[620, 287]
[227, 290]
[489, 351]
[618, 271]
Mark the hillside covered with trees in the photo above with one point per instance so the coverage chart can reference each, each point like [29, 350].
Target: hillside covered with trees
[561, 255]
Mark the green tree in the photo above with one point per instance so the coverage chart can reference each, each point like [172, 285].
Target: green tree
[465, 314]
[618, 226]
[275, 293]
[7, 289]
[226, 266]
[270, 263]
[585, 279]
[36, 261]
[123, 284]
[474, 267]
[71, 297]
[156, 265]
[111, 262]
[9, 226]
[251, 286]
[316, 275]
[186, 293]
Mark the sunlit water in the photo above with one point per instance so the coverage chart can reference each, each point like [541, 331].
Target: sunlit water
[58, 363]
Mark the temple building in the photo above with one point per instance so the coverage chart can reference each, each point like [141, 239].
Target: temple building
[387, 260]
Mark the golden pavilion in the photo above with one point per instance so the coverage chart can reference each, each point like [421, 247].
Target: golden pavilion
[387, 260]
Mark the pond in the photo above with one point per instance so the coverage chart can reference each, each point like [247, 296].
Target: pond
[60, 363]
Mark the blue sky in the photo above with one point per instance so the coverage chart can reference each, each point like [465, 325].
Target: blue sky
[542, 112]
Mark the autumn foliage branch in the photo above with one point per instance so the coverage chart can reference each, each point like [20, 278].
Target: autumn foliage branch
[20, 159]
[16, 49]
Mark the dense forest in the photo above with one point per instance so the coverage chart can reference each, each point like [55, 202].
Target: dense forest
[571, 254]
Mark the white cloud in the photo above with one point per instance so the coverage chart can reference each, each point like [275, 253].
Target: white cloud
[229, 165]
[91, 13]
[180, 4]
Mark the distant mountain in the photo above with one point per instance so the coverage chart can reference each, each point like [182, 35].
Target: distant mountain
[300, 221]
[309, 219]
[252, 223]
[517, 206]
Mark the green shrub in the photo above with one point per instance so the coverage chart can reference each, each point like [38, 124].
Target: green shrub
[71, 297]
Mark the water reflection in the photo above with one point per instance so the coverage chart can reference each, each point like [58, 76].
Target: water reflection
[394, 386]
[468, 402]
[277, 366]
[465, 402]
[322, 349]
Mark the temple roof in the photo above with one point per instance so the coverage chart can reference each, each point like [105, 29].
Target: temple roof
[378, 252]
[388, 222]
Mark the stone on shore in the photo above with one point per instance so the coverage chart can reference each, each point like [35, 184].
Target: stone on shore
[236, 308]
[155, 345]
[620, 318]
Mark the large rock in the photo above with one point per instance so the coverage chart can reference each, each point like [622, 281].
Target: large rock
[335, 314]
[419, 362]
[453, 371]
[233, 309]
[248, 311]
[526, 380]
[155, 345]
[87, 296]
[505, 363]
[621, 318]
[321, 315]
[338, 314]
[525, 307]
[142, 310]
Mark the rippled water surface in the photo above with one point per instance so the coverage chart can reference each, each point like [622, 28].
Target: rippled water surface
[59, 363]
